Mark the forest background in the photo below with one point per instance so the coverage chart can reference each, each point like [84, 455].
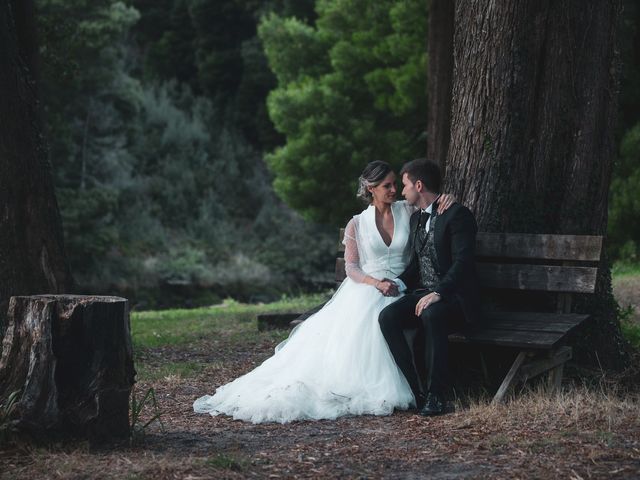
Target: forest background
[204, 149]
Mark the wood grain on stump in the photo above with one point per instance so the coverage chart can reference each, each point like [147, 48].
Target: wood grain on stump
[71, 359]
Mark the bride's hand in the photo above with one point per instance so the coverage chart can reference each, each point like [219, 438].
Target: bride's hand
[387, 287]
[445, 201]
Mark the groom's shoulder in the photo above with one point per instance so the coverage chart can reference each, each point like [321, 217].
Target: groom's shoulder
[459, 211]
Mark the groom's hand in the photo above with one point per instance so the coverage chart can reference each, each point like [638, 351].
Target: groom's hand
[388, 288]
[425, 301]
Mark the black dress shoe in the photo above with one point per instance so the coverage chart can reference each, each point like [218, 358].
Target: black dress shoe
[421, 399]
[433, 405]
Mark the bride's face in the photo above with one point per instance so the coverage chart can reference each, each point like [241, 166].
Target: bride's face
[385, 191]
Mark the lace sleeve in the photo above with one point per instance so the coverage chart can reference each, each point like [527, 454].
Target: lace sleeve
[351, 256]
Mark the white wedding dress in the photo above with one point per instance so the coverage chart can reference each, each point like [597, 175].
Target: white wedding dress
[336, 362]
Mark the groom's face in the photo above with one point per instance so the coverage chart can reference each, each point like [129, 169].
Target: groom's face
[409, 190]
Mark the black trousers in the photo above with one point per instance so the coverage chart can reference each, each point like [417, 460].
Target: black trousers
[436, 322]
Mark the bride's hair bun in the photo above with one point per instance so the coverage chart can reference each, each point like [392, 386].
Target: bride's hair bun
[371, 176]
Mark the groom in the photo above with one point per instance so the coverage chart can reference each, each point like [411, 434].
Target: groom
[440, 284]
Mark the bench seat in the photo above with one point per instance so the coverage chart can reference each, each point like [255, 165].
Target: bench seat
[531, 330]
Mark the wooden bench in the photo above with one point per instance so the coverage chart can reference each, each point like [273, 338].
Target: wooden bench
[561, 265]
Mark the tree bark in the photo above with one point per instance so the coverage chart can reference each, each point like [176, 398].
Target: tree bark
[32, 256]
[71, 360]
[532, 138]
[439, 79]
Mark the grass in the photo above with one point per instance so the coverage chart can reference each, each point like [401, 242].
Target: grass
[621, 269]
[226, 462]
[137, 406]
[576, 410]
[181, 370]
[179, 327]
[631, 332]
[626, 285]
[6, 410]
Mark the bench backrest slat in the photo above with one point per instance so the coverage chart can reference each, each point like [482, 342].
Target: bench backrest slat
[574, 257]
[549, 278]
[340, 271]
[584, 248]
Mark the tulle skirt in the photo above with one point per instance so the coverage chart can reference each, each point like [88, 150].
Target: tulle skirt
[336, 363]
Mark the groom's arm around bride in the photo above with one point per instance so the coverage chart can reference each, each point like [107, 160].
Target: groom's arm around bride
[440, 282]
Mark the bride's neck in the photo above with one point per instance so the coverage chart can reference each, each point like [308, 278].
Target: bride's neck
[382, 207]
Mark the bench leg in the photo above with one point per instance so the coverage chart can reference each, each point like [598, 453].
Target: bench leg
[511, 376]
[554, 359]
[483, 365]
[555, 378]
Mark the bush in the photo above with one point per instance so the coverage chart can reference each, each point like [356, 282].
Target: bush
[624, 205]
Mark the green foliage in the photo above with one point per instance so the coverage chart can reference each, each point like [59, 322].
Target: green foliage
[621, 269]
[158, 185]
[166, 32]
[137, 407]
[631, 332]
[211, 45]
[630, 55]
[630, 327]
[6, 411]
[294, 49]
[89, 218]
[350, 90]
[217, 46]
[624, 205]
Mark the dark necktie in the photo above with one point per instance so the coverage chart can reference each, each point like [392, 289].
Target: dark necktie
[422, 232]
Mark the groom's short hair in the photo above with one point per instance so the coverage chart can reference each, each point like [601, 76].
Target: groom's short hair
[426, 171]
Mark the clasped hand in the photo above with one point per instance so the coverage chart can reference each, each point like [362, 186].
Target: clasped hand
[387, 287]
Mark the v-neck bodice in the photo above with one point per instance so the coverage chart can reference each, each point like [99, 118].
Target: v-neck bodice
[393, 233]
[375, 256]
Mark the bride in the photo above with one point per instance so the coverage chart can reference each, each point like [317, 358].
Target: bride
[337, 362]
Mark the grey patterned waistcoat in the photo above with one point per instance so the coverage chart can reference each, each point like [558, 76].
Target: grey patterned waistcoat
[427, 258]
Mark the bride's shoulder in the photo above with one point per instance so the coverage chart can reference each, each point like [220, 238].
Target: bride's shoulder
[362, 214]
[354, 221]
[406, 206]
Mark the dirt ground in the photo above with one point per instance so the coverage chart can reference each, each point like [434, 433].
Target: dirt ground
[580, 434]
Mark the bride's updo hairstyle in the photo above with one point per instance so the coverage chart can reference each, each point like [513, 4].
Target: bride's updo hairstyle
[372, 175]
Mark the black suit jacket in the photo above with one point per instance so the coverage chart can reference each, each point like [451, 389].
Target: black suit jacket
[455, 244]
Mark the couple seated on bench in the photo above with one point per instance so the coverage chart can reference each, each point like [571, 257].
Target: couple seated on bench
[411, 265]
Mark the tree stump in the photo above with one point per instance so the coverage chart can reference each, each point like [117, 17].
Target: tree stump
[71, 359]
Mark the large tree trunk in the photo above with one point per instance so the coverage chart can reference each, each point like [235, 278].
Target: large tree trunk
[533, 114]
[439, 79]
[31, 242]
